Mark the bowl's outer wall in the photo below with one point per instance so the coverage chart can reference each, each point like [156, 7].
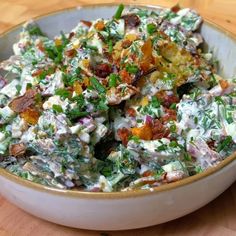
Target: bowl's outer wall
[120, 213]
[123, 213]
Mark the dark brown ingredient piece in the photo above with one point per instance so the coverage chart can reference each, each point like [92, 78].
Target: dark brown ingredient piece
[211, 144]
[170, 114]
[124, 134]
[71, 35]
[166, 99]
[102, 70]
[17, 149]
[71, 53]
[175, 8]
[19, 104]
[87, 23]
[131, 20]
[131, 112]
[159, 131]
[126, 43]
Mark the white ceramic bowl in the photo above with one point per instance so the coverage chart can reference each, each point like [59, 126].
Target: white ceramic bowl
[121, 210]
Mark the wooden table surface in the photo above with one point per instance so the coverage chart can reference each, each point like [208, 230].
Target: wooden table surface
[216, 219]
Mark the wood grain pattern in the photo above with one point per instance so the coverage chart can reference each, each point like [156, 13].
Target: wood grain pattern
[216, 219]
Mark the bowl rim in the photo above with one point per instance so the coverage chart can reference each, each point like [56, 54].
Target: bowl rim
[126, 194]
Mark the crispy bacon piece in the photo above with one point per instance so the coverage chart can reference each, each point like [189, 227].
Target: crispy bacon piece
[211, 145]
[21, 103]
[124, 134]
[71, 35]
[170, 114]
[17, 149]
[131, 20]
[176, 8]
[102, 70]
[159, 131]
[87, 23]
[131, 111]
[71, 53]
[125, 77]
[30, 115]
[126, 43]
[167, 100]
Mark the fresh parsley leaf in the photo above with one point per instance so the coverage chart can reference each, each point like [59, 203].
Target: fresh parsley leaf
[97, 85]
[151, 28]
[224, 144]
[63, 93]
[57, 108]
[133, 69]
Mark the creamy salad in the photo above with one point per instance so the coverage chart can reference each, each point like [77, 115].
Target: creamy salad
[118, 104]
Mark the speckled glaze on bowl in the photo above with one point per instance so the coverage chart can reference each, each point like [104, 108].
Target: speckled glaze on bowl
[121, 210]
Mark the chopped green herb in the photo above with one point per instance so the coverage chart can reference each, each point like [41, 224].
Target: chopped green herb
[173, 128]
[113, 80]
[97, 85]
[219, 100]
[119, 11]
[133, 69]
[91, 47]
[110, 46]
[18, 88]
[151, 28]
[63, 93]
[74, 113]
[162, 147]
[155, 102]
[57, 108]
[198, 169]
[34, 29]
[173, 106]
[224, 144]
[29, 86]
[136, 139]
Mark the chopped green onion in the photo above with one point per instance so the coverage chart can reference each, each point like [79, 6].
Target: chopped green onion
[113, 80]
[57, 108]
[151, 28]
[133, 69]
[155, 102]
[173, 144]
[224, 144]
[136, 139]
[173, 106]
[162, 147]
[110, 46]
[33, 29]
[173, 128]
[97, 85]
[198, 169]
[73, 114]
[65, 40]
[91, 47]
[63, 93]
[18, 88]
[28, 86]
[219, 100]
[119, 12]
